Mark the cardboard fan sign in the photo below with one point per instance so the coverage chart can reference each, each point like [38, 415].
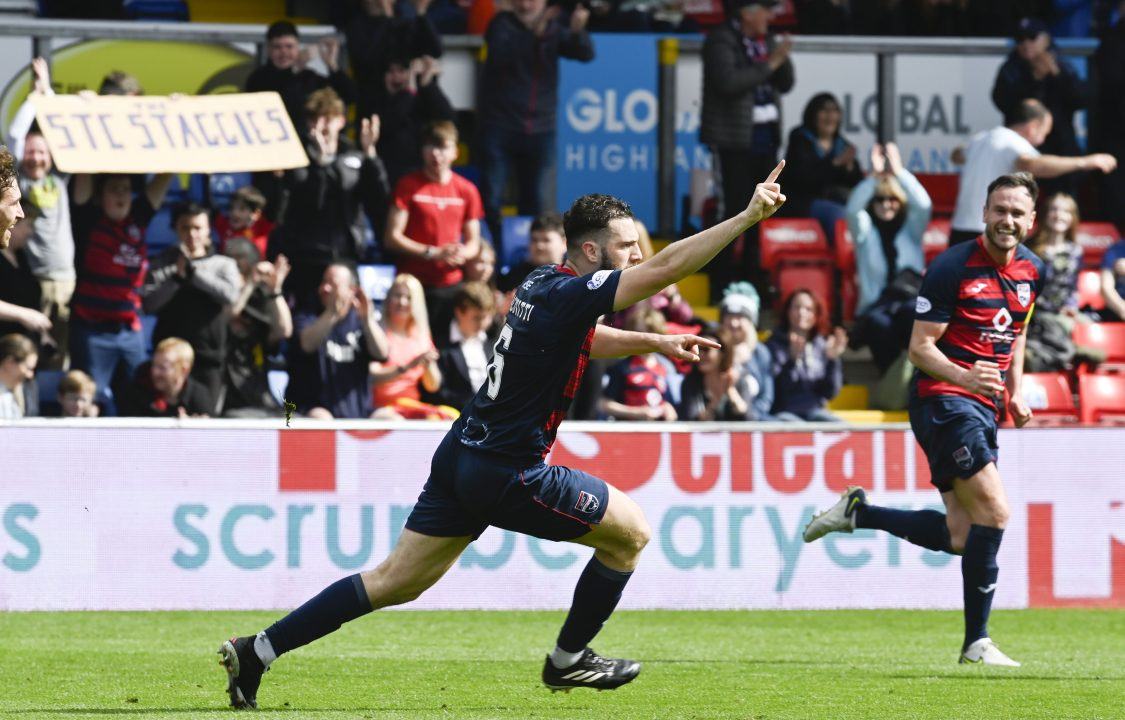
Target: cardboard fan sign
[151, 134]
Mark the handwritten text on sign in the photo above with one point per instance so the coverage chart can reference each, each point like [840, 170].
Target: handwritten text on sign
[213, 133]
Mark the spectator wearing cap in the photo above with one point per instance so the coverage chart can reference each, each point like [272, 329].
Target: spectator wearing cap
[1034, 70]
[1006, 149]
[379, 36]
[1109, 134]
[820, 165]
[323, 204]
[191, 290]
[745, 72]
[519, 98]
[738, 315]
[285, 71]
[18, 395]
[164, 387]
[805, 357]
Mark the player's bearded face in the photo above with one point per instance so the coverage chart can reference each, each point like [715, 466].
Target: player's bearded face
[10, 213]
[1008, 217]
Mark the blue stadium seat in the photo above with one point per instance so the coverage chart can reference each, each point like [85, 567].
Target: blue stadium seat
[48, 383]
[279, 381]
[167, 10]
[376, 280]
[223, 186]
[148, 325]
[160, 236]
[515, 234]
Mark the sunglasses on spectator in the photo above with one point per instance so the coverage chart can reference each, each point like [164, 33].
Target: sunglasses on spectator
[886, 198]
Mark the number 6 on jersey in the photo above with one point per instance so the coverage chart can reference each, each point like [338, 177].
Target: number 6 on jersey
[496, 368]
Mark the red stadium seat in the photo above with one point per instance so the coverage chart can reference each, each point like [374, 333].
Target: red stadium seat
[1050, 398]
[942, 189]
[816, 278]
[1090, 290]
[1095, 238]
[792, 239]
[1102, 399]
[1109, 337]
[844, 248]
[935, 240]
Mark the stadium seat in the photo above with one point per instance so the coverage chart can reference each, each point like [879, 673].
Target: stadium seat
[159, 235]
[168, 10]
[1101, 399]
[935, 240]
[814, 277]
[1095, 238]
[792, 239]
[1090, 290]
[376, 280]
[515, 233]
[1050, 398]
[223, 185]
[844, 248]
[942, 189]
[148, 327]
[851, 397]
[1108, 337]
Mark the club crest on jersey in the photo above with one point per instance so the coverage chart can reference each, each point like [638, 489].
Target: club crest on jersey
[597, 279]
[587, 503]
[1023, 293]
[963, 457]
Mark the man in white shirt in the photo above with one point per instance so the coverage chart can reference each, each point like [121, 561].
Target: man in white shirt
[464, 364]
[1007, 149]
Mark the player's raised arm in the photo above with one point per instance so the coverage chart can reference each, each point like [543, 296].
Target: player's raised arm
[687, 256]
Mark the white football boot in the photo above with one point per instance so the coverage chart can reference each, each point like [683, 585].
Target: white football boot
[985, 652]
[838, 518]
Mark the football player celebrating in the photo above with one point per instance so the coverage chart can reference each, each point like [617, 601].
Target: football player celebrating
[490, 469]
[967, 345]
[10, 210]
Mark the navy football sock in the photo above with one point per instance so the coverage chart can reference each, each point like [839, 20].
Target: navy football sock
[926, 528]
[595, 596]
[978, 573]
[336, 604]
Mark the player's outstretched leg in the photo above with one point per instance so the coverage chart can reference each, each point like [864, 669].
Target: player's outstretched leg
[618, 541]
[984, 500]
[927, 528]
[416, 563]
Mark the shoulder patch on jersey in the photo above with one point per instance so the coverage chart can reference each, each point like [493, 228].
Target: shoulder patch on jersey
[1023, 293]
[598, 279]
[922, 305]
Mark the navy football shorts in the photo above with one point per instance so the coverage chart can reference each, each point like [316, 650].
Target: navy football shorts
[958, 436]
[470, 489]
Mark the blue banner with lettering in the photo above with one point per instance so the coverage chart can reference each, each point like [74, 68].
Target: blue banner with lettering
[607, 127]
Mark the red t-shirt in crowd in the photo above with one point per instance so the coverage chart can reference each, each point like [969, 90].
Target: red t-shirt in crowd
[436, 214]
[258, 233]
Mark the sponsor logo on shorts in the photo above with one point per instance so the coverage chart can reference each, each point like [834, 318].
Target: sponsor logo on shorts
[598, 279]
[587, 503]
[963, 457]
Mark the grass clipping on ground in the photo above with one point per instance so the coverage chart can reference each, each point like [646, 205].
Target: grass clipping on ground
[826, 664]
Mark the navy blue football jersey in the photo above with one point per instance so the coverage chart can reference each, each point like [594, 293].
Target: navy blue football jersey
[540, 357]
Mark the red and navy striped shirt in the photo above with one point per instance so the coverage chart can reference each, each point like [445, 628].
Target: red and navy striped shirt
[984, 307]
[112, 264]
[539, 360]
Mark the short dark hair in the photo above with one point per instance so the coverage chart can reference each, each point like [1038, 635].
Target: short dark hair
[439, 133]
[549, 221]
[589, 214]
[813, 107]
[7, 168]
[249, 196]
[1028, 110]
[103, 179]
[189, 209]
[1014, 180]
[475, 295]
[281, 28]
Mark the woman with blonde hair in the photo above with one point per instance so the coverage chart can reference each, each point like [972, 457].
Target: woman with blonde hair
[1049, 343]
[411, 355]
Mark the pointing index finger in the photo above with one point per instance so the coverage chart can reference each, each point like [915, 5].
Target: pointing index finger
[776, 171]
[704, 342]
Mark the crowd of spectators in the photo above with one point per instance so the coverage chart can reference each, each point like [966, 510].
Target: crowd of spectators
[270, 281]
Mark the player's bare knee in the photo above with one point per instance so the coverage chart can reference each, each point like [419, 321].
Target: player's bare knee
[997, 514]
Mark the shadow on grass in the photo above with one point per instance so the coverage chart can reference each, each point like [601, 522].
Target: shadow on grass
[1001, 678]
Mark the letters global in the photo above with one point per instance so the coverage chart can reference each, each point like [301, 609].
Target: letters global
[160, 517]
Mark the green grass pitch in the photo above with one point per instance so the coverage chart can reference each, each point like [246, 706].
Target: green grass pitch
[826, 664]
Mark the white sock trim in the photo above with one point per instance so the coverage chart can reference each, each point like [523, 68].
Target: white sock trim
[264, 649]
[562, 659]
